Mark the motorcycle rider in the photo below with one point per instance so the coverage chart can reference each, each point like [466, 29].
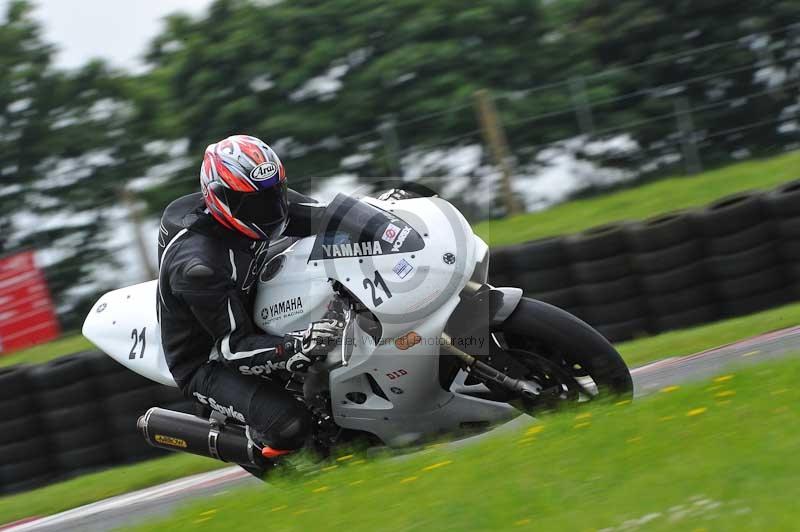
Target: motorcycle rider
[212, 247]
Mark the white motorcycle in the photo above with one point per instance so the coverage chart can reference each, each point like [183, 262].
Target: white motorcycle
[428, 347]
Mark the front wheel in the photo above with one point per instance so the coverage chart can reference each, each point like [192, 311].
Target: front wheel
[560, 355]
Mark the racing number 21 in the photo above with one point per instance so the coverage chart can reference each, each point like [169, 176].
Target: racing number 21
[138, 338]
[373, 285]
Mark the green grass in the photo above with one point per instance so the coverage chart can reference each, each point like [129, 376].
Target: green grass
[95, 487]
[721, 455]
[42, 353]
[643, 201]
[696, 339]
[98, 486]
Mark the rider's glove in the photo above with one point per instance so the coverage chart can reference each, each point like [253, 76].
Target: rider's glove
[303, 348]
[336, 310]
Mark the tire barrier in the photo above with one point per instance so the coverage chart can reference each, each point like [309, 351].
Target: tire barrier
[783, 205]
[74, 415]
[671, 269]
[736, 256]
[23, 446]
[609, 296]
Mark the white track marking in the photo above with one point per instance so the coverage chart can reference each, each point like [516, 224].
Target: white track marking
[195, 482]
[654, 365]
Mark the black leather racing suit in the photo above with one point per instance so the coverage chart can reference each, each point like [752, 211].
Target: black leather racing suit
[207, 275]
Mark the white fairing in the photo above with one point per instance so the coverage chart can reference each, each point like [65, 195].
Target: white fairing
[297, 295]
[387, 388]
[124, 325]
[412, 403]
[426, 285]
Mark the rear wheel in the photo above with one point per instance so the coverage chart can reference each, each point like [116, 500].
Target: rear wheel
[558, 354]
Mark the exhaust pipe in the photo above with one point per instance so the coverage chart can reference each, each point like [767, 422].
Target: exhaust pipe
[176, 431]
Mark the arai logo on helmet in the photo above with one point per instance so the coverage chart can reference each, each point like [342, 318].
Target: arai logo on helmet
[264, 171]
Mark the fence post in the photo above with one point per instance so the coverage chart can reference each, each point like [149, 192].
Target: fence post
[391, 145]
[495, 137]
[135, 218]
[691, 156]
[583, 110]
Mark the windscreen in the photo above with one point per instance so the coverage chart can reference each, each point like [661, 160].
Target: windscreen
[353, 228]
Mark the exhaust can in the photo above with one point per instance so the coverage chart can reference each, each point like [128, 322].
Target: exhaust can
[176, 431]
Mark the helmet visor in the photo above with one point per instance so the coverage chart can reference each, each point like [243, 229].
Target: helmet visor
[267, 209]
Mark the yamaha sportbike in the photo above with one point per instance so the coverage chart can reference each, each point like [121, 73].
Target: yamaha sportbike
[428, 346]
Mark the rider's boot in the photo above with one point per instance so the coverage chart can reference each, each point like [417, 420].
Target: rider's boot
[270, 453]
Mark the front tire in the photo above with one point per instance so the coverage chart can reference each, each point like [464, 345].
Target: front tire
[553, 345]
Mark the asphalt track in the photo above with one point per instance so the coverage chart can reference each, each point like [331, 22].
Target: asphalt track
[160, 501]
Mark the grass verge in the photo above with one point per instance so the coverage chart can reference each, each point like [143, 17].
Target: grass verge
[696, 339]
[716, 456]
[44, 352]
[643, 201]
[97, 486]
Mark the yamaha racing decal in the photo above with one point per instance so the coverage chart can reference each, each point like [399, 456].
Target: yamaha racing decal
[352, 228]
[390, 239]
[282, 309]
[357, 249]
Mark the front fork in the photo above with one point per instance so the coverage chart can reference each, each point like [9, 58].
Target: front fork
[487, 374]
[490, 306]
[484, 306]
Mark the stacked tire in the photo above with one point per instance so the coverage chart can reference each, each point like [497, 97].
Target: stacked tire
[742, 254]
[541, 269]
[500, 267]
[126, 396]
[783, 205]
[668, 260]
[74, 415]
[73, 422]
[24, 447]
[607, 289]
[739, 255]
[172, 399]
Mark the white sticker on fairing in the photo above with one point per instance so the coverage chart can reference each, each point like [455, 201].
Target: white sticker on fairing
[390, 234]
[402, 268]
[401, 238]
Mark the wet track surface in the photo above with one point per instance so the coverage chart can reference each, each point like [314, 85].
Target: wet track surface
[160, 501]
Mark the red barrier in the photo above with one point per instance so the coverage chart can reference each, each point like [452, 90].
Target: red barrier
[27, 316]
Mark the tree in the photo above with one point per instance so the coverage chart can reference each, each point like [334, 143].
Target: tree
[317, 79]
[734, 64]
[70, 147]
